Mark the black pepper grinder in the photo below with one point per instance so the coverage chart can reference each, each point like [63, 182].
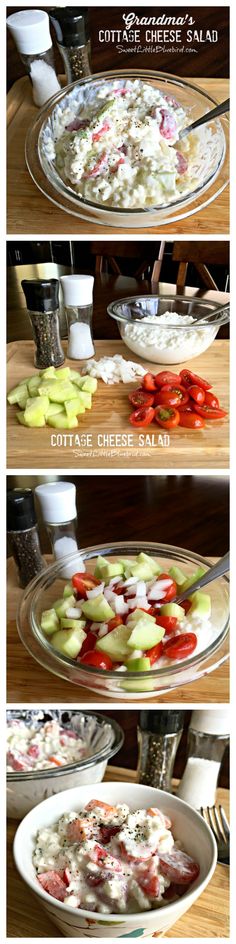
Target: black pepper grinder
[71, 26]
[42, 299]
[22, 531]
[159, 734]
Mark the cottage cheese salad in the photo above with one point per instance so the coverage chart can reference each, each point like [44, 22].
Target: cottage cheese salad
[108, 859]
[30, 747]
[163, 339]
[122, 617]
[119, 146]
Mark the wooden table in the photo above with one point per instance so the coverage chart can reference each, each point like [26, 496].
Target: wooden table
[208, 917]
[94, 443]
[29, 211]
[29, 682]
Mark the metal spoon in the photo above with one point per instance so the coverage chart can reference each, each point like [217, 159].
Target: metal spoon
[213, 113]
[218, 570]
[213, 314]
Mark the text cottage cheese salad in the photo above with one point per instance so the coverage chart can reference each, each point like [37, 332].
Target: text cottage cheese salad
[119, 147]
[110, 860]
[30, 747]
[122, 618]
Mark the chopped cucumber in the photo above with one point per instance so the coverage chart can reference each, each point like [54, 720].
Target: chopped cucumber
[89, 384]
[177, 575]
[69, 642]
[62, 421]
[145, 635]
[74, 407]
[190, 580]
[68, 590]
[62, 605]
[17, 394]
[98, 609]
[139, 615]
[66, 623]
[172, 609]
[49, 622]
[115, 644]
[201, 604]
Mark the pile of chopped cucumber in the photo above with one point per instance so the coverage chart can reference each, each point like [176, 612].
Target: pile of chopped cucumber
[68, 622]
[53, 398]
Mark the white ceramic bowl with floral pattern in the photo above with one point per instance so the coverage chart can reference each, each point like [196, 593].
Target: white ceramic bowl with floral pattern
[187, 826]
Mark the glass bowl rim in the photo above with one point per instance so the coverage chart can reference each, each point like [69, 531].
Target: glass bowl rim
[91, 671]
[102, 755]
[71, 195]
[215, 322]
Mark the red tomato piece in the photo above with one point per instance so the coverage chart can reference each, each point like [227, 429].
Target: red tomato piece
[191, 420]
[141, 397]
[100, 165]
[114, 622]
[168, 126]
[166, 377]
[197, 394]
[87, 645]
[155, 653]
[170, 591]
[169, 623]
[179, 867]
[186, 604]
[97, 659]
[148, 879]
[84, 581]
[34, 750]
[52, 882]
[182, 163]
[209, 413]
[98, 134]
[188, 379]
[148, 382]
[142, 417]
[211, 400]
[180, 646]
[167, 416]
[172, 395]
[67, 876]
[107, 832]
[186, 407]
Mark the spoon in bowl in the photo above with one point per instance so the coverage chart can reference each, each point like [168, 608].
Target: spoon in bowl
[217, 570]
[209, 116]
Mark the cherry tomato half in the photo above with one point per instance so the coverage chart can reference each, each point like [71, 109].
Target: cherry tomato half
[180, 646]
[179, 867]
[188, 379]
[172, 395]
[88, 644]
[142, 417]
[84, 581]
[114, 622]
[154, 653]
[141, 397]
[190, 420]
[197, 394]
[98, 659]
[169, 623]
[170, 591]
[209, 413]
[211, 400]
[166, 377]
[148, 382]
[167, 416]
[186, 407]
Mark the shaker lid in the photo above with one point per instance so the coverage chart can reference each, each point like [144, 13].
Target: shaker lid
[20, 509]
[161, 722]
[212, 721]
[77, 289]
[41, 294]
[30, 30]
[57, 501]
[71, 25]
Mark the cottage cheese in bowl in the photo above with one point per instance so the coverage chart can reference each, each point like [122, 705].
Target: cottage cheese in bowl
[30, 747]
[172, 345]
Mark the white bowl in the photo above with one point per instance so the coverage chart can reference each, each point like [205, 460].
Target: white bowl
[103, 738]
[188, 826]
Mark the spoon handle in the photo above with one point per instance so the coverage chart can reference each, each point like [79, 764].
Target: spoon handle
[213, 113]
[218, 570]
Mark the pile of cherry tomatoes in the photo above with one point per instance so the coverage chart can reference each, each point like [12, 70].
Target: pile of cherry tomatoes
[172, 400]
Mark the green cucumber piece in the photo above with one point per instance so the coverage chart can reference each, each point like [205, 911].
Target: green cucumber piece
[66, 623]
[98, 610]
[49, 622]
[21, 419]
[172, 609]
[63, 373]
[48, 373]
[58, 391]
[74, 407]
[17, 393]
[190, 580]
[33, 385]
[143, 558]
[115, 644]
[62, 421]
[101, 562]
[111, 570]
[53, 410]
[89, 384]
[68, 590]
[145, 635]
[62, 605]
[201, 605]
[68, 642]
[177, 575]
[139, 615]
[141, 664]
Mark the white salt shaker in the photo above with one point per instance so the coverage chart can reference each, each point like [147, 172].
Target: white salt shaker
[78, 302]
[57, 502]
[31, 32]
[208, 736]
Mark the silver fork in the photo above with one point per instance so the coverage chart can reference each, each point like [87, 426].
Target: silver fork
[216, 818]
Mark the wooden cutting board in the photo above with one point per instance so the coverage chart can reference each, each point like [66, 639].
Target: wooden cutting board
[29, 211]
[30, 682]
[208, 917]
[108, 419]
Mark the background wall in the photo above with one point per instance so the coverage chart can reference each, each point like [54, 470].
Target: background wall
[197, 58]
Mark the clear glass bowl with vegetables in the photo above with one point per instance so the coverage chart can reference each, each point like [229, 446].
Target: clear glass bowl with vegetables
[166, 329]
[113, 628]
[107, 149]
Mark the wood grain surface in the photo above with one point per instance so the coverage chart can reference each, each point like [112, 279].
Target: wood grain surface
[29, 211]
[32, 448]
[208, 917]
[29, 682]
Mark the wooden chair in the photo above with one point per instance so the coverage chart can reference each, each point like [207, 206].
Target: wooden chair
[200, 254]
[108, 255]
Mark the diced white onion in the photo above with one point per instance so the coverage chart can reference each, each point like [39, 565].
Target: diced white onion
[109, 594]
[94, 627]
[140, 603]
[136, 654]
[73, 612]
[120, 606]
[114, 580]
[103, 630]
[141, 588]
[130, 582]
[91, 594]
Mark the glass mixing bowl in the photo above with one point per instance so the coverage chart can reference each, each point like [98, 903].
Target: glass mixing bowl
[40, 163]
[48, 586]
[170, 343]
